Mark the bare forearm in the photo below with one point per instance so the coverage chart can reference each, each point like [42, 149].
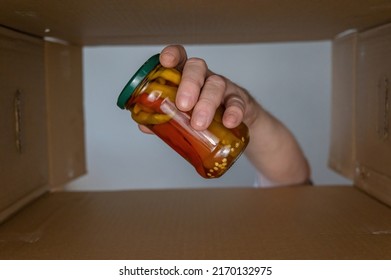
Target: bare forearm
[274, 151]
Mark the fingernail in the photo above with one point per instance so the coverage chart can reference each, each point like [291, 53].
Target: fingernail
[169, 56]
[169, 59]
[183, 102]
[200, 119]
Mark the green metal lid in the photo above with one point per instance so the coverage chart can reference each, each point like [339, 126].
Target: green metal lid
[137, 78]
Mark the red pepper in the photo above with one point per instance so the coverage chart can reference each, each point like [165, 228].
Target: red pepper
[149, 101]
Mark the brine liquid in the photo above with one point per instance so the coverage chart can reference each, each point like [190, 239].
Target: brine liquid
[211, 151]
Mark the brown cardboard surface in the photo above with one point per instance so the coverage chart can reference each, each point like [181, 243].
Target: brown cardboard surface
[64, 94]
[91, 22]
[23, 140]
[342, 140]
[373, 124]
[283, 223]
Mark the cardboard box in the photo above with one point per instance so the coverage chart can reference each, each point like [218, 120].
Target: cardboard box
[41, 102]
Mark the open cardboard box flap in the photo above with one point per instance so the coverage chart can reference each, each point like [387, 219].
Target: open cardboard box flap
[331, 222]
[92, 22]
[360, 139]
[42, 136]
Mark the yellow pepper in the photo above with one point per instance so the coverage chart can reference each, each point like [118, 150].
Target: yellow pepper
[162, 90]
[169, 74]
[148, 118]
[139, 107]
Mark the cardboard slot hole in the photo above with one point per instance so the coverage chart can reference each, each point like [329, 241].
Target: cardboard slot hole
[384, 109]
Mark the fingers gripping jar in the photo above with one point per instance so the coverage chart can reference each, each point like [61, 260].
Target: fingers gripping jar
[150, 97]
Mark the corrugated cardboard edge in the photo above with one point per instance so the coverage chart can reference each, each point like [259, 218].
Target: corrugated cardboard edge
[64, 92]
[342, 137]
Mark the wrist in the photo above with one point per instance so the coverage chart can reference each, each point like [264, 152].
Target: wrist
[254, 113]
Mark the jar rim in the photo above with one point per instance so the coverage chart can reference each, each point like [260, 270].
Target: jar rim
[136, 79]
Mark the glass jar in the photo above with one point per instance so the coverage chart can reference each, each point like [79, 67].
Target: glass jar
[150, 97]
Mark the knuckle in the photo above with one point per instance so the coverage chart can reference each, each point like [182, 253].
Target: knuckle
[192, 80]
[206, 102]
[235, 100]
[217, 81]
[192, 84]
[197, 61]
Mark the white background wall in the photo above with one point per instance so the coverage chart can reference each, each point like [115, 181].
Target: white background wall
[292, 80]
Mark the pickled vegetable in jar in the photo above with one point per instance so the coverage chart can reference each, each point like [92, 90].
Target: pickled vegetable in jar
[150, 97]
